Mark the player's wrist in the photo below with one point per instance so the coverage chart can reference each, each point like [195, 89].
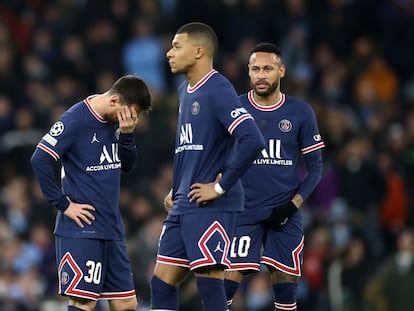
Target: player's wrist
[219, 189]
[63, 204]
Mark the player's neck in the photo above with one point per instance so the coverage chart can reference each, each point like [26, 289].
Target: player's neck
[96, 103]
[197, 72]
[268, 100]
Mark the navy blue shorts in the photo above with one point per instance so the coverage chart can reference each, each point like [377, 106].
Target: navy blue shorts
[254, 244]
[94, 269]
[197, 240]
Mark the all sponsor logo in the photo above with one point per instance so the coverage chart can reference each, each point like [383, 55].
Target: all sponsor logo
[272, 154]
[108, 159]
[186, 139]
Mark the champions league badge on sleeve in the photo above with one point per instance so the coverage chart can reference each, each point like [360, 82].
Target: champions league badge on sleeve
[57, 128]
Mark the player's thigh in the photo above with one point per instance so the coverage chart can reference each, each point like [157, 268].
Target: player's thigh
[207, 239]
[81, 267]
[283, 250]
[172, 262]
[118, 283]
[171, 248]
[246, 247]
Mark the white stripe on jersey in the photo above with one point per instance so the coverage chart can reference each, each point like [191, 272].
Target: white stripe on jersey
[238, 121]
[48, 150]
[313, 148]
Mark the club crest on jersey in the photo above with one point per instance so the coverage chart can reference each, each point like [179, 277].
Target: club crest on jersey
[285, 125]
[117, 133]
[64, 278]
[195, 108]
[57, 128]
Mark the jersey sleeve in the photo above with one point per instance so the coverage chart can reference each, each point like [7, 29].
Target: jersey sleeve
[310, 139]
[239, 123]
[311, 144]
[44, 168]
[60, 136]
[228, 109]
[50, 149]
[128, 151]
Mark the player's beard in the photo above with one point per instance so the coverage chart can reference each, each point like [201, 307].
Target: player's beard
[112, 119]
[271, 89]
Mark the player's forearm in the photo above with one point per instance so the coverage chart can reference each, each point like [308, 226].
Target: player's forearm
[43, 167]
[250, 143]
[314, 165]
[128, 152]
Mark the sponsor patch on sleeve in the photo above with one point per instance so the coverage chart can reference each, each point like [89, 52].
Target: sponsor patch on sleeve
[51, 140]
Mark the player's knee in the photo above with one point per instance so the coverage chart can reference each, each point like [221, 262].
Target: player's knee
[235, 276]
[279, 277]
[172, 275]
[123, 304]
[82, 304]
[216, 271]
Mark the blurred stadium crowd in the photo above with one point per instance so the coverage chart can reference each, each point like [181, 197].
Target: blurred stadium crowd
[351, 60]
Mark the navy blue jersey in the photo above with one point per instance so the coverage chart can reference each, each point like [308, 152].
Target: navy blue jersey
[210, 120]
[290, 130]
[90, 152]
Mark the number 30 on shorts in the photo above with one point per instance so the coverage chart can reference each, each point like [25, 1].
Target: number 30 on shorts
[94, 272]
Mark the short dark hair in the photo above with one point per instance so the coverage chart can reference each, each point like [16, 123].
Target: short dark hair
[267, 48]
[132, 90]
[197, 30]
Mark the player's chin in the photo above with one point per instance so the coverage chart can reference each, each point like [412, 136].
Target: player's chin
[176, 70]
[173, 68]
[261, 91]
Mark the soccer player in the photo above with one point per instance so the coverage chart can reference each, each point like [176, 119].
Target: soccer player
[207, 194]
[94, 142]
[272, 218]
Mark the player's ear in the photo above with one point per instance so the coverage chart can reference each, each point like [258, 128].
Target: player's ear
[114, 99]
[282, 71]
[199, 52]
[249, 71]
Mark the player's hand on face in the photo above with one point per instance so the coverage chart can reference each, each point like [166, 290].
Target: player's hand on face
[80, 213]
[168, 201]
[202, 193]
[127, 118]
